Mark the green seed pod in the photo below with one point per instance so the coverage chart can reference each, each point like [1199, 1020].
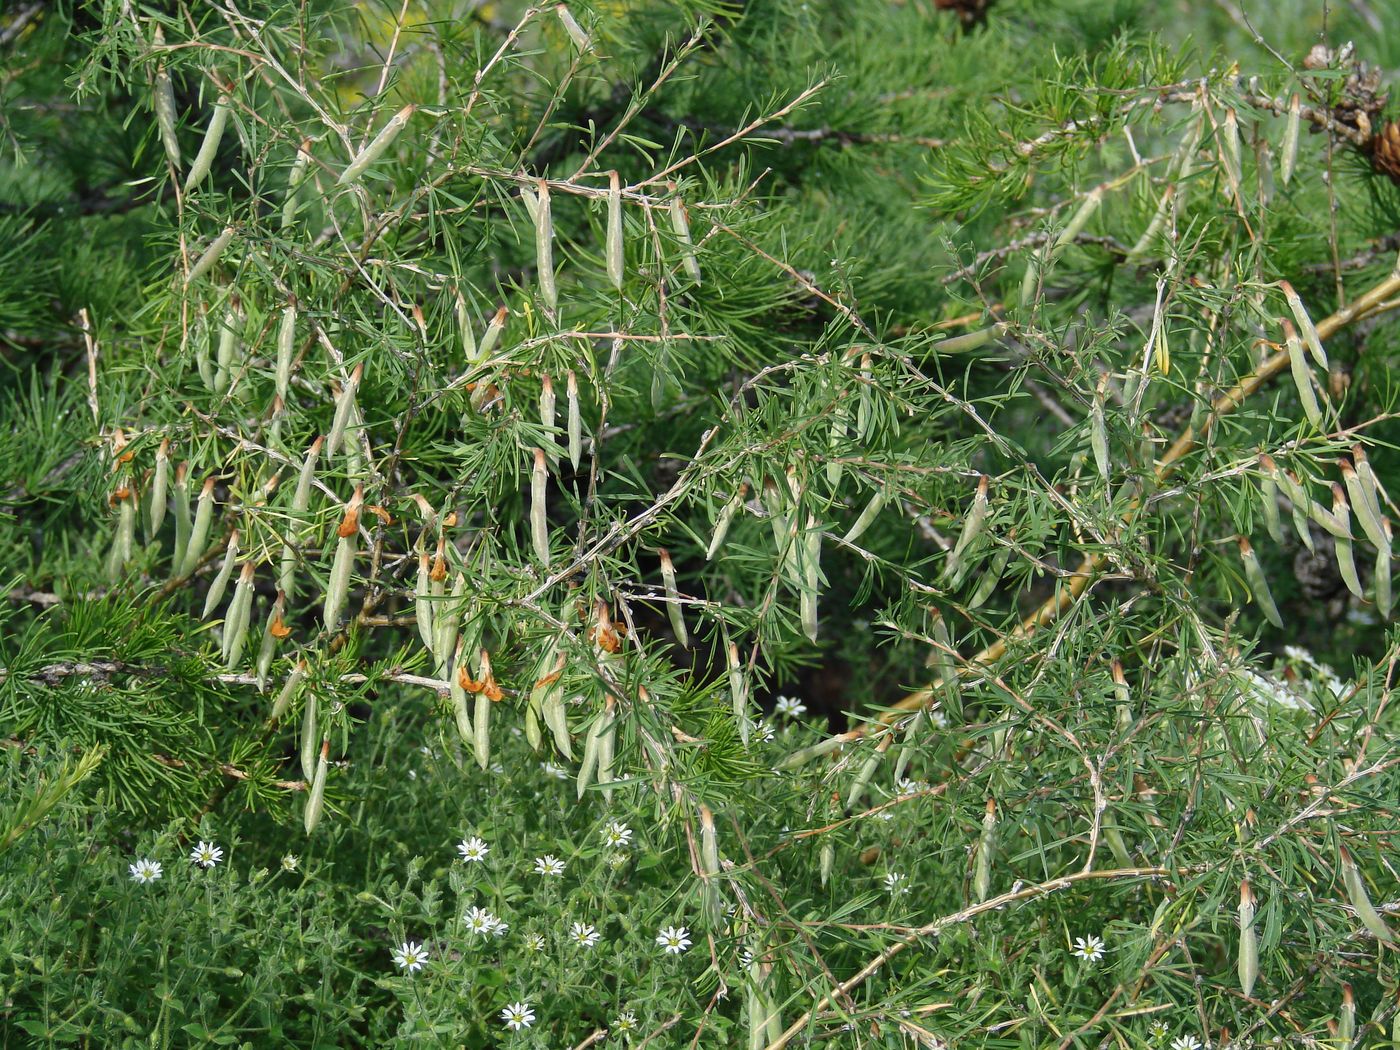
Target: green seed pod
[376, 148]
[294, 179]
[228, 348]
[447, 619]
[344, 407]
[209, 148]
[302, 496]
[239, 615]
[481, 730]
[1384, 599]
[589, 762]
[1230, 140]
[726, 517]
[317, 796]
[862, 779]
[289, 691]
[1301, 505]
[827, 862]
[182, 518]
[1254, 575]
[990, 578]
[972, 528]
[1098, 429]
[1305, 325]
[1346, 560]
[709, 843]
[811, 577]
[673, 599]
[1162, 354]
[867, 517]
[309, 737]
[575, 31]
[160, 484]
[286, 338]
[1268, 497]
[211, 255]
[548, 404]
[1367, 513]
[464, 329]
[614, 243]
[680, 225]
[1302, 376]
[1289, 150]
[539, 524]
[575, 422]
[1117, 846]
[607, 747]
[422, 601]
[199, 535]
[216, 589]
[533, 736]
[906, 750]
[1346, 1018]
[1360, 899]
[163, 102]
[1249, 943]
[864, 397]
[555, 717]
[273, 631]
[544, 248]
[982, 867]
[343, 564]
[493, 333]
[738, 691]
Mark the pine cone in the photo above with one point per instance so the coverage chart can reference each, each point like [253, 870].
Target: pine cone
[1358, 100]
[1385, 151]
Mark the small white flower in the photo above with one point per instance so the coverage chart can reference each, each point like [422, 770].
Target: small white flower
[549, 865]
[144, 871]
[1158, 1029]
[206, 855]
[763, 729]
[473, 850]
[409, 956]
[1088, 948]
[583, 934]
[500, 928]
[479, 921]
[789, 707]
[908, 786]
[1295, 652]
[617, 835]
[517, 1016]
[938, 718]
[290, 862]
[625, 1022]
[895, 882]
[675, 939]
[1186, 1042]
[746, 957]
[554, 771]
[534, 942]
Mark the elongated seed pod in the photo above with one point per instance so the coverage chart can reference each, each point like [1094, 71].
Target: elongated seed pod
[986, 843]
[539, 524]
[1289, 149]
[1346, 559]
[548, 404]
[199, 534]
[447, 619]
[673, 599]
[1301, 505]
[680, 225]
[1305, 325]
[160, 485]
[182, 519]
[493, 333]
[1384, 599]
[571, 26]
[556, 719]
[1230, 136]
[574, 422]
[589, 762]
[709, 842]
[1346, 1017]
[344, 406]
[1258, 585]
[738, 691]
[1162, 355]
[811, 578]
[972, 527]
[826, 863]
[376, 148]
[614, 244]
[216, 589]
[239, 615]
[1360, 899]
[228, 348]
[1098, 429]
[464, 329]
[1249, 943]
[343, 564]
[481, 731]
[725, 519]
[908, 735]
[422, 601]
[286, 339]
[163, 102]
[1367, 477]
[1367, 515]
[864, 397]
[607, 747]
[991, 576]
[316, 797]
[294, 177]
[1302, 375]
[1268, 499]
[458, 678]
[862, 779]
[210, 256]
[309, 737]
[867, 517]
[288, 692]
[209, 148]
[544, 248]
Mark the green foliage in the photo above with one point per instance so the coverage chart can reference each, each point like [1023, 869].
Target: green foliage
[378, 475]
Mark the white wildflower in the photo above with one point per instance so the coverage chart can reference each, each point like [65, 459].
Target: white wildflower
[517, 1016]
[896, 882]
[549, 865]
[583, 934]
[145, 870]
[789, 707]
[617, 835]
[675, 939]
[409, 956]
[206, 855]
[1088, 948]
[473, 850]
